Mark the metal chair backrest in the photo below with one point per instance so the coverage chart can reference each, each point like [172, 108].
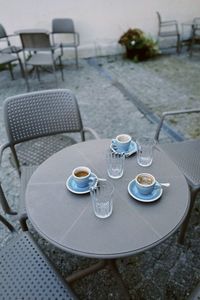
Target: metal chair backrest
[35, 41]
[39, 114]
[63, 26]
[42, 113]
[159, 18]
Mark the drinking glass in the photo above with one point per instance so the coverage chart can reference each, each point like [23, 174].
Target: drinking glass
[145, 151]
[102, 198]
[115, 164]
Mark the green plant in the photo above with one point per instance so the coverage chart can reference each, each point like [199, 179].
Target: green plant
[138, 46]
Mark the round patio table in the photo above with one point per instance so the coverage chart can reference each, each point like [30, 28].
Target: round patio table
[67, 220]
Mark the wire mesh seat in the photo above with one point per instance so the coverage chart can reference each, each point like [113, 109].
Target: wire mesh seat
[31, 117]
[186, 155]
[64, 27]
[26, 273]
[168, 29]
[40, 53]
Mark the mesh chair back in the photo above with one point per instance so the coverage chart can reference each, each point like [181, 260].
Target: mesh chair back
[2, 32]
[63, 26]
[35, 40]
[43, 113]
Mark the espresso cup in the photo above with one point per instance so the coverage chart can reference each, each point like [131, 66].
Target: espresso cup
[81, 176]
[123, 141]
[145, 183]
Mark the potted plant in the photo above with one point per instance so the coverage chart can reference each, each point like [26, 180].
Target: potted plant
[138, 46]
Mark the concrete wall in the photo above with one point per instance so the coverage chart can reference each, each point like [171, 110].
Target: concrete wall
[100, 23]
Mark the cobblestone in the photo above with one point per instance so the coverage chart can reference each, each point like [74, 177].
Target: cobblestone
[169, 270]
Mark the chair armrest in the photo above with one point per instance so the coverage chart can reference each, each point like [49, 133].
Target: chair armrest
[3, 201]
[169, 113]
[92, 131]
[169, 22]
[2, 148]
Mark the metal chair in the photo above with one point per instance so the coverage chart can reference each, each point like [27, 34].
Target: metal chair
[33, 117]
[40, 52]
[26, 273]
[65, 27]
[9, 53]
[168, 29]
[195, 34]
[186, 155]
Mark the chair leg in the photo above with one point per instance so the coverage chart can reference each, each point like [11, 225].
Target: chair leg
[11, 71]
[5, 205]
[178, 46]
[184, 226]
[7, 224]
[61, 68]
[76, 56]
[54, 71]
[23, 223]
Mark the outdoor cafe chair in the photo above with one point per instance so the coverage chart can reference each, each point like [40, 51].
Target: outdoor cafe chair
[37, 124]
[26, 272]
[9, 53]
[64, 27]
[38, 52]
[168, 29]
[186, 155]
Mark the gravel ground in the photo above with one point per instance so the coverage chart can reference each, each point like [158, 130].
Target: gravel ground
[116, 95]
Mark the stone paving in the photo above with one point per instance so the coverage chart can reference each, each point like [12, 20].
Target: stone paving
[116, 95]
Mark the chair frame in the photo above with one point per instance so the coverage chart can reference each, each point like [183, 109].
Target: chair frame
[194, 189]
[59, 26]
[37, 44]
[195, 34]
[30, 125]
[170, 29]
[9, 51]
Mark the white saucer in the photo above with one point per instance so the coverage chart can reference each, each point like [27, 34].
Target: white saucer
[131, 150]
[155, 195]
[72, 186]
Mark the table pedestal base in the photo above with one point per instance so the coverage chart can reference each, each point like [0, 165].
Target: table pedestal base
[109, 263]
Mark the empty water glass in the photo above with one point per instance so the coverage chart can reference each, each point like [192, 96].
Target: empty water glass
[115, 164]
[145, 151]
[102, 198]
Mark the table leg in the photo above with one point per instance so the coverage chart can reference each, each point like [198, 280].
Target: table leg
[113, 267]
[82, 273]
[109, 263]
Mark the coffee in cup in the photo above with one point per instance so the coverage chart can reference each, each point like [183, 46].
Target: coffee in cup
[123, 141]
[145, 183]
[81, 176]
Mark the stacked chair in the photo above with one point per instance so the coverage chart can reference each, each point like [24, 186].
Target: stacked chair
[168, 29]
[64, 31]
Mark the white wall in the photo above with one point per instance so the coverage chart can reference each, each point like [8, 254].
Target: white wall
[100, 23]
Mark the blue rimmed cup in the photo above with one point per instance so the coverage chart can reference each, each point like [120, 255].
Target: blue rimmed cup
[122, 141]
[145, 183]
[81, 176]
